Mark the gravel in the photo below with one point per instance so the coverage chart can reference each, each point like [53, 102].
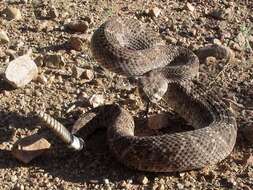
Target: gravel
[41, 27]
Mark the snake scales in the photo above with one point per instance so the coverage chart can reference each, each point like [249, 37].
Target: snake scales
[164, 73]
[126, 47]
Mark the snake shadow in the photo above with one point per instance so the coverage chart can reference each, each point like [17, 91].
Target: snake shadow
[91, 165]
[4, 86]
[94, 163]
[11, 121]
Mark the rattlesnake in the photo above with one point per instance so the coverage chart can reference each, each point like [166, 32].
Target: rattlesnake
[163, 72]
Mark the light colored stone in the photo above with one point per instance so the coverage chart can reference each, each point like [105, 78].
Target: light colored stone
[155, 12]
[30, 147]
[21, 71]
[4, 37]
[161, 187]
[190, 7]
[143, 180]
[14, 178]
[12, 13]
[216, 41]
[106, 181]
[96, 100]
[180, 186]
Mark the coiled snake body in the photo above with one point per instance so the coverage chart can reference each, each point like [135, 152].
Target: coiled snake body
[126, 47]
[164, 72]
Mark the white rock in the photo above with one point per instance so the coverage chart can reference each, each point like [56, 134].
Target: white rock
[217, 41]
[14, 178]
[106, 181]
[21, 71]
[180, 186]
[143, 180]
[190, 7]
[155, 11]
[12, 13]
[96, 100]
[3, 37]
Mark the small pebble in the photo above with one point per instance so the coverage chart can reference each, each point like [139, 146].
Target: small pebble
[12, 13]
[190, 7]
[106, 181]
[14, 178]
[143, 180]
[4, 37]
[155, 12]
[96, 100]
[180, 186]
[216, 41]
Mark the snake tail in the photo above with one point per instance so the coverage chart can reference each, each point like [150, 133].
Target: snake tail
[71, 140]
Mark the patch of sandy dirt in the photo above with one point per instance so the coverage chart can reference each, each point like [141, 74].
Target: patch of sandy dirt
[41, 28]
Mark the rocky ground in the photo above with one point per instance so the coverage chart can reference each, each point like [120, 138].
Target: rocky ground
[70, 82]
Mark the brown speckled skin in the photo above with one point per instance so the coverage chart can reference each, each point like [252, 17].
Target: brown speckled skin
[126, 47]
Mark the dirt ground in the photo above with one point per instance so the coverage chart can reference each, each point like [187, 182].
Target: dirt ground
[42, 29]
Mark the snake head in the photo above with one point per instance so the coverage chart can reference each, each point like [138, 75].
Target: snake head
[153, 85]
